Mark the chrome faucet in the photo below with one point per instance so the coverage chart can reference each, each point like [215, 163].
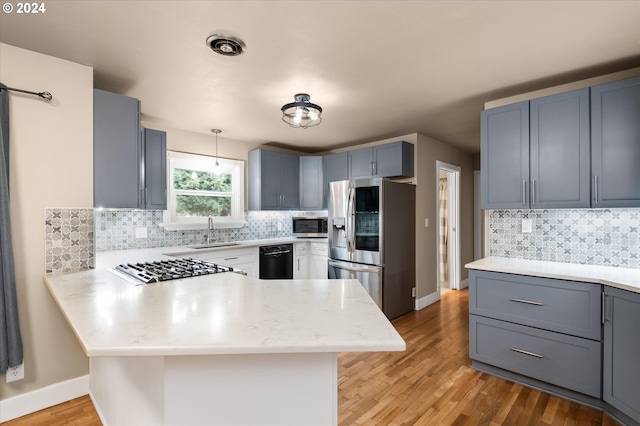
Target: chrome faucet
[209, 229]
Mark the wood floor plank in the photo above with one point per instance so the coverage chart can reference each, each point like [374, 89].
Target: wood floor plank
[430, 384]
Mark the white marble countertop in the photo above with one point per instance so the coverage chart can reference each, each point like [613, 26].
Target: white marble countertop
[218, 314]
[624, 278]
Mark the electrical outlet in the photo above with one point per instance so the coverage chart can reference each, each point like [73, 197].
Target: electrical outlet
[279, 226]
[426, 222]
[15, 373]
[141, 232]
[413, 292]
[527, 226]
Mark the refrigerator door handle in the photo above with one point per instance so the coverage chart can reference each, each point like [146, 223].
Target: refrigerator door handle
[340, 265]
[350, 222]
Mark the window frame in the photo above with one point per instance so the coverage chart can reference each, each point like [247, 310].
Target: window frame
[205, 163]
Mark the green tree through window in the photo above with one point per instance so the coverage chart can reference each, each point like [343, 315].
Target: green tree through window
[200, 193]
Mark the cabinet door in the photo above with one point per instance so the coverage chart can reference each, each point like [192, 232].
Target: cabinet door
[335, 168]
[360, 163]
[311, 183]
[621, 373]
[155, 169]
[615, 143]
[270, 196]
[117, 151]
[393, 159]
[560, 151]
[504, 138]
[289, 182]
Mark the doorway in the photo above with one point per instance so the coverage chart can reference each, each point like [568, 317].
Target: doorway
[448, 244]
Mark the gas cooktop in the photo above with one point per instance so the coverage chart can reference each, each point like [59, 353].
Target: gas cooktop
[164, 270]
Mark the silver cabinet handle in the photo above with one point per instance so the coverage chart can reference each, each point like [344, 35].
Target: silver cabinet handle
[349, 268]
[231, 258]
[520, 351]
[533, 192]
[524, 193]
[528, 302]
[595, 189]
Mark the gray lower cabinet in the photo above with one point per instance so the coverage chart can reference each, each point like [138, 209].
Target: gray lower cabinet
[621, 359]
[615, 143]
[335, 168]
[117, 151]
[155, 169]
[273, 180]
[389, 160]
[545, 329]
[311, 180]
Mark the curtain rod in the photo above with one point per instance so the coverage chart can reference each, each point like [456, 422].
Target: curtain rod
[44, 95]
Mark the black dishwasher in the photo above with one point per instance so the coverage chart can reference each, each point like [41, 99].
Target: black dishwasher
[276, 262]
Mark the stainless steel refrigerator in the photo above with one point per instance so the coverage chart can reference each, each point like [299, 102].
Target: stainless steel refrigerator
[372, 239]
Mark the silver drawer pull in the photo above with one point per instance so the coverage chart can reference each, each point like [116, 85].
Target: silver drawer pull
[520, 351]
[528, 302]
[230, 258]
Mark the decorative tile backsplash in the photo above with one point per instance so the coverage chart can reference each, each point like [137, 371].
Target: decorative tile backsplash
[69, 240]
[608, 237]
[116, 229]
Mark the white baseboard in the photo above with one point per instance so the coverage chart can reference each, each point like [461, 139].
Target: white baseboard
[42, 398]
[464, 283]
[429, 299]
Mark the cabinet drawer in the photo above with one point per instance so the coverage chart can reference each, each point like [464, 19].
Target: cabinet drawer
[564, 306]
[566, 361]
[301, 248]
[232, 257]
[319, 249]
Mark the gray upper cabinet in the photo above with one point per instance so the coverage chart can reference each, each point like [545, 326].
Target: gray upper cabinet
[335, 168]
[155, 170]
[559, 157]
[615, 143]
[504, 171]
[117, 151]
[621, 374]
[388, 160]
[273, 180]
[311, 180]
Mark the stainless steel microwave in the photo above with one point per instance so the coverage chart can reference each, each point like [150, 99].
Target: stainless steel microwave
[310, 226]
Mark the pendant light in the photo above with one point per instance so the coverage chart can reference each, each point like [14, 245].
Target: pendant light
[301, 113]
[216, 166]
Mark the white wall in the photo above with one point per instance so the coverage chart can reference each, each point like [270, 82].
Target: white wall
[51, 166]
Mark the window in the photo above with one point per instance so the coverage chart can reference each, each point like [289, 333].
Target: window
[197, 191]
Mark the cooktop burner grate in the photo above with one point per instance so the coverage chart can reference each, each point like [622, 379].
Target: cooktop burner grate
[164, 270]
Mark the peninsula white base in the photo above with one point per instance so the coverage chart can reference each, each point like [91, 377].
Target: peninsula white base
[255, 389]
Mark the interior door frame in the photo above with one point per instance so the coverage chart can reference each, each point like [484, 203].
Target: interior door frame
[454, 228]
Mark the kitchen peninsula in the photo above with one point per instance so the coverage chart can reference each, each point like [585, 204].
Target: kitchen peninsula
[218, 349]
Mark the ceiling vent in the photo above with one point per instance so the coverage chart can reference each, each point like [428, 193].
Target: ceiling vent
[226, 45]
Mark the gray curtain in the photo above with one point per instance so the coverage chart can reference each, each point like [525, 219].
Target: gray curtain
[10, 339]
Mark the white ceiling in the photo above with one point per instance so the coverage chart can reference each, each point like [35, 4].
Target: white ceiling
[378, 68]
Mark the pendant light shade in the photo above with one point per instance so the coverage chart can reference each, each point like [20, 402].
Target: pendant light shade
[301, 113]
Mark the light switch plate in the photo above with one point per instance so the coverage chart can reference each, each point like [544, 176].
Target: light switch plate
[527, 226]
[426, 222]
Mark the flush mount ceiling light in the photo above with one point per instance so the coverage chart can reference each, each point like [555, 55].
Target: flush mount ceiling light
[226, 45]
[301, 113]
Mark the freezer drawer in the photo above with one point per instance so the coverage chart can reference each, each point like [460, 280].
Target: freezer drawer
[369, 276]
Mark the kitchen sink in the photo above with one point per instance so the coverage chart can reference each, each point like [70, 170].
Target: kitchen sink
[215, 245]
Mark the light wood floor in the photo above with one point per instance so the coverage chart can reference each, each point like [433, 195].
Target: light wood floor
[431, 383]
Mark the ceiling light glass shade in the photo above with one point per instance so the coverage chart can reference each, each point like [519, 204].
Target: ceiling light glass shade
[301, 113]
